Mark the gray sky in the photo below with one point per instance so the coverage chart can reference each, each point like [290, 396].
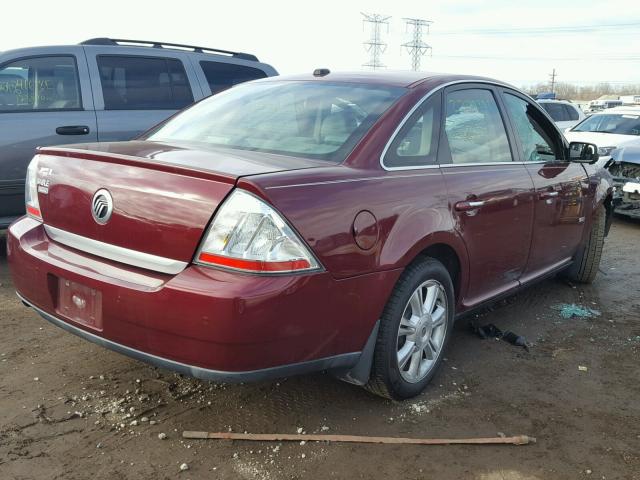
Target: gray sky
[496, 38]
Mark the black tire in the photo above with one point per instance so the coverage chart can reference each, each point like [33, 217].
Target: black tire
[586, 261]
[385, 379]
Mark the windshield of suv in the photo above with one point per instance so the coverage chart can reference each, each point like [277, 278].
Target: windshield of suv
[620, 123]
[310, 119]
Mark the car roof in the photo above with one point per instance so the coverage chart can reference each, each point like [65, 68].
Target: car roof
[140, 48]
[391, 78]
[620, 110]
[550, 100]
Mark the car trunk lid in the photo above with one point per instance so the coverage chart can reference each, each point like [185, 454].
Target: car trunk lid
[163, 196]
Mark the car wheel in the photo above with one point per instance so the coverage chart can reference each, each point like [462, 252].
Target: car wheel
[587, 259]
[415, 328]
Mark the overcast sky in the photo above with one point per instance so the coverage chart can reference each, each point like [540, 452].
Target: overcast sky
[505, 39]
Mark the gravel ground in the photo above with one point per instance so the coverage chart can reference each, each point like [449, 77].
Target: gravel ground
[72, 410]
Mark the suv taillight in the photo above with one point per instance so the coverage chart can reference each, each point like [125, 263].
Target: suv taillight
[31, 191]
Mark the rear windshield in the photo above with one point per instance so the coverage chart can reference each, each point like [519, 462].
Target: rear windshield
[309, 119]
[623, 124]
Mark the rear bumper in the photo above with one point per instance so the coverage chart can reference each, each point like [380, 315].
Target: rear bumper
[203, 322]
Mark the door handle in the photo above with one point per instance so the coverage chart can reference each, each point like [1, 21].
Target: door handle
[73, 130]
[468, 205]
[545, 195]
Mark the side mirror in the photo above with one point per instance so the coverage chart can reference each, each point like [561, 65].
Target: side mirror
[581, 152]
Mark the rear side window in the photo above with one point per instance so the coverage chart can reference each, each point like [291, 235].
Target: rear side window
[474, 128]
[40, 83]
[557, 111]
[143, 83]
[416, 142]
[537, 143]
[572, 113]
[221, 76]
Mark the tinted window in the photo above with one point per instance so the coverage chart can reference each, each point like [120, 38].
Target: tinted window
[537, 144]
[572, 113]
[474, 128]
[621, 123]
[416, 142]
[309, 119]
[143, 83]
[557, 111]
[221, 76]
[43, 83]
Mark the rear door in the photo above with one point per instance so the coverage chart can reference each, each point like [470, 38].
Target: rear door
[561, 187]
[45, 99]
[135, 91]
[490, 195]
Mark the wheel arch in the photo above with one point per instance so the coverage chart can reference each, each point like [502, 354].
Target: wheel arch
[450, 250]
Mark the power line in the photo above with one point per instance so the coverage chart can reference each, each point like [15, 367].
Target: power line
[601, 58]
[375, 46]
[632, 27]
[416, 47]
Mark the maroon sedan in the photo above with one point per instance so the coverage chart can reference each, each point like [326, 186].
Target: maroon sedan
[327, 222]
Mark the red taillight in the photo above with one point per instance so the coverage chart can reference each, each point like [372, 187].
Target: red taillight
[34, 212]
[254, 265]
[247, 234]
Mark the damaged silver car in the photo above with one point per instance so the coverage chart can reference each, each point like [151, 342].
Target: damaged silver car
[625, 169]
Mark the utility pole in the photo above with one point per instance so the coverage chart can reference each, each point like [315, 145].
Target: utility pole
[553, 76]
[416, 47]
[375, 46]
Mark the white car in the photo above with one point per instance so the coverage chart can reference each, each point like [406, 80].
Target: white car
[610, 129]
[564, 114]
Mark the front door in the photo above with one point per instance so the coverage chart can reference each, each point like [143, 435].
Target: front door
[561, 187]
[490, 195]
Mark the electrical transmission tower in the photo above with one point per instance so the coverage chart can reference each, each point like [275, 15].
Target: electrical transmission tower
[375, 46]
[417, 48]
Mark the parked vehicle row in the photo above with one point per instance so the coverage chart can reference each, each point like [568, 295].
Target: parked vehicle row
[101, 90]
[610, 129]
[326, 221]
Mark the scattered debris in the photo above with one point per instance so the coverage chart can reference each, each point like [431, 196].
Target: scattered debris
[582, 368]
[184, 467]
[277, 437]
[491, 331]
[162, 436]
[570, 310]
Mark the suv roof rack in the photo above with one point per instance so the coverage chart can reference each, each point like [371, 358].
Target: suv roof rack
[147, 43]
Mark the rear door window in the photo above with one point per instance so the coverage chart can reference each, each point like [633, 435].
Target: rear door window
[40, 84]
[143, 83]
[221, 76]
[474, 128]
[572, 113]
[537, 140]
[556, 111]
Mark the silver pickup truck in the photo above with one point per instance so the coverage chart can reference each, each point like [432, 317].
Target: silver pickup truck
[100, 90]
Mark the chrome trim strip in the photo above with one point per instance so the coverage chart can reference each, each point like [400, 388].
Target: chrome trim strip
[113, 252]
[417, 105]
[343, 360]
[351, 180]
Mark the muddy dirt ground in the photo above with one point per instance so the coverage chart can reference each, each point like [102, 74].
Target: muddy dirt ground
[72, 410]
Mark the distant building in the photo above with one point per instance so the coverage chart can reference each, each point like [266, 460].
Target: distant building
[630, 99]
